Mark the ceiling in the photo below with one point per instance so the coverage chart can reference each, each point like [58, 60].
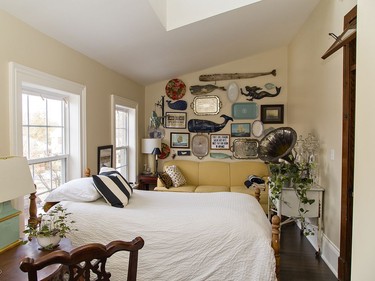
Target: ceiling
[127, 36]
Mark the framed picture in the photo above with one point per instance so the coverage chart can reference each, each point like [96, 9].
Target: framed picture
[175, 120]
[220, 141]
[105, 156]
[180, 140]
[240, 130]
[272, 113]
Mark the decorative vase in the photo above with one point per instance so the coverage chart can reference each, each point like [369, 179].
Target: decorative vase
[48, 242]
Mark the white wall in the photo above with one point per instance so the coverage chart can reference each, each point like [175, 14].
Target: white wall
[264, 62]
[24, 45]
[364, 191]
[315, 101]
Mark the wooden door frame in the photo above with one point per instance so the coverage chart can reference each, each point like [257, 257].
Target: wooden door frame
[348, 143]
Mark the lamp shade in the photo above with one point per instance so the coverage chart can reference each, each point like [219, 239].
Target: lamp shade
[148, 145]
[156, 151]
[15, 178]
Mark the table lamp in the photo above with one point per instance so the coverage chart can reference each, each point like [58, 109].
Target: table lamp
[156, 152]
[15, 181]
[148, 146]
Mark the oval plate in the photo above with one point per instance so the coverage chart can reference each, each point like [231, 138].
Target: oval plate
[257, 128]
[175, 89]
[233, 92]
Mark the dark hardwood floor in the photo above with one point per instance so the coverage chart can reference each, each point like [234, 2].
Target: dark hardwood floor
[298, 261]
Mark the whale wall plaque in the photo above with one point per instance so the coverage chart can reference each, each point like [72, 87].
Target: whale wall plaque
[206, 126]
[177, 105]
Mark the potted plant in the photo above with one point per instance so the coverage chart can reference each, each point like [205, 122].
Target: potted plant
[53, 226]
[290, 182]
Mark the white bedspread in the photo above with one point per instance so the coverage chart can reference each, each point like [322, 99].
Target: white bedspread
[188, 236]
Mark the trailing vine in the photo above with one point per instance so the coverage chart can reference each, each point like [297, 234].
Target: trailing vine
[294, 175]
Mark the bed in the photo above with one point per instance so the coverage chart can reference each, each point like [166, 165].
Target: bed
[188, 236]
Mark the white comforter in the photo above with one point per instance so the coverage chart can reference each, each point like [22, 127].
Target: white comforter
[188, 236]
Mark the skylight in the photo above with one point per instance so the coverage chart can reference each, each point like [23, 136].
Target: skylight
[177, 13]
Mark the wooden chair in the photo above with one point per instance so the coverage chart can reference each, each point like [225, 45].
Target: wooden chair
[86, 260]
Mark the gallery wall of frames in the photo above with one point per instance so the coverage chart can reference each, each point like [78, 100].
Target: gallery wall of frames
[223, 116]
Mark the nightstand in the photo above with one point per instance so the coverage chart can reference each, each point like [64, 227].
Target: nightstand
[10, 261]
[146, 180]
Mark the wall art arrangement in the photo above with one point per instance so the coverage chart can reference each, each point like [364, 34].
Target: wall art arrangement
[202, 136]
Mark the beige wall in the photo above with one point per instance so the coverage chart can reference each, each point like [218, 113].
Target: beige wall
[315, 99]
[264, 62]
[364, 191]
[24, 45]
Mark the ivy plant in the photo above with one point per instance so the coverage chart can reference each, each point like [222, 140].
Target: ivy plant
[55, 222]
[294, 175]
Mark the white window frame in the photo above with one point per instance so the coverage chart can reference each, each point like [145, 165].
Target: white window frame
[64, 156]
[20, 77]
[132, 141]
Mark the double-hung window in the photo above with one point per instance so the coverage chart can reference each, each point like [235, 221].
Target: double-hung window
[122, 140]
[124, 136]
[47, 126]
[44, 131]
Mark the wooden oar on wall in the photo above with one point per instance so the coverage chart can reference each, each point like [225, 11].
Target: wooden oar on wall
[233, 76]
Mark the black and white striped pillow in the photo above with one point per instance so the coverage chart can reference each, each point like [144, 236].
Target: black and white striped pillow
[114, 188]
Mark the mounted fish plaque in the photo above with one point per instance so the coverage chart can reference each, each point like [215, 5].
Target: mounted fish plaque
[204, 89]
[245, 148]
[206, 105]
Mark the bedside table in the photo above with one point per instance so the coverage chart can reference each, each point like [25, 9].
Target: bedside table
[10, 261]
[146, 180]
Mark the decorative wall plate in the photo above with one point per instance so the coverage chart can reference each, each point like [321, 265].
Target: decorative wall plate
[258, 128]
[200, 145]
[245, 148]
[175, 89]
[206, 105]
[233, 92]
[165, 151]
[245, 110]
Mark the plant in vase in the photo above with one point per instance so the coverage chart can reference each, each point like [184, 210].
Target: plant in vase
[53, 226]
[294, 175]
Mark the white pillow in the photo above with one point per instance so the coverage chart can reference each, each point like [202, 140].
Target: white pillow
[106, 169]
[79, 190]
[176, 176]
